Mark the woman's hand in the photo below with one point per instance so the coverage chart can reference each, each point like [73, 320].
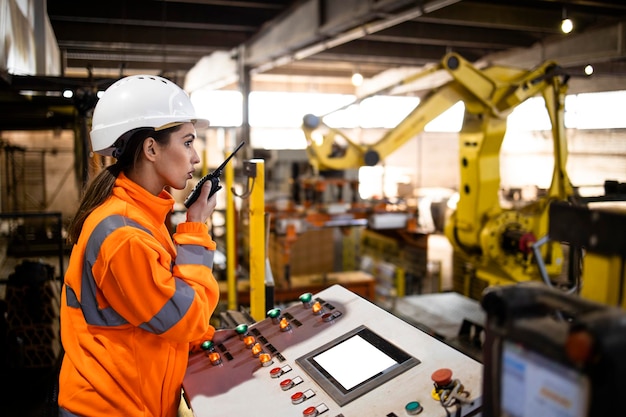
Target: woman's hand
[203, 207]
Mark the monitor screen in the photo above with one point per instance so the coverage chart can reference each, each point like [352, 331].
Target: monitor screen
[355, 363]
[533, 385]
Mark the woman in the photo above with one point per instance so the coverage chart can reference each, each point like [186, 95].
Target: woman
[136, 298]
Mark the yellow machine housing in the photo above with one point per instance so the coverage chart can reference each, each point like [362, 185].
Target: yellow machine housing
[495, 240]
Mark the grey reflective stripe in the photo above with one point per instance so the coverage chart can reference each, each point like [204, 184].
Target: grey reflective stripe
[172, 311]
[89, 304]
[175, 308]
[194, 255]
[64, 413]
[72, 300]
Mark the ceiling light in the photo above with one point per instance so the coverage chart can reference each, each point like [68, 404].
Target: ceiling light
[589, 69]
[566, 23]
[357, 79]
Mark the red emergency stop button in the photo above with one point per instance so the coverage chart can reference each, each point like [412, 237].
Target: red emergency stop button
[442, 377]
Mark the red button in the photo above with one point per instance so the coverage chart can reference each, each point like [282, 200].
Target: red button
[442, 377]
[311, 411]
[286, 384]
[297, 398]
[276, 372]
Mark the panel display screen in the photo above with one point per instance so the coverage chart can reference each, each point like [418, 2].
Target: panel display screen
[533, 385]
[355, 363]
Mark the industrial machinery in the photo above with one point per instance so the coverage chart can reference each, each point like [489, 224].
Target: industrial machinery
[545, 353]
[601, 234]
[497, 241]
[548, 353]
[332, 354]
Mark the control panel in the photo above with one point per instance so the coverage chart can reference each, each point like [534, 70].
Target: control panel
[333, 354]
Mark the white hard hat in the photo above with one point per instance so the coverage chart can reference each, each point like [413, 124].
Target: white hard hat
[135, 102]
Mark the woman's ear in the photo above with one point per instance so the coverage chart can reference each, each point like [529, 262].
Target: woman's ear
[150, 148]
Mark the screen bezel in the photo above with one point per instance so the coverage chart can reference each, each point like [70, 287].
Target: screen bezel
[334, 389]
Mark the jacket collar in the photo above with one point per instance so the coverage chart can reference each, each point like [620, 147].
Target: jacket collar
[157, 206]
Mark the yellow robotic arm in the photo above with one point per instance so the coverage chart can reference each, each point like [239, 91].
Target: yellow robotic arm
[498, 241]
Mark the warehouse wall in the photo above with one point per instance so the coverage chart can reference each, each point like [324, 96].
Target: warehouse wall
[429, 160]
[527, 158]
[60, 184]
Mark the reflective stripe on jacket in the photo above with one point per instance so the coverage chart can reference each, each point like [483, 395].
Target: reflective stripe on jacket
[133, 300]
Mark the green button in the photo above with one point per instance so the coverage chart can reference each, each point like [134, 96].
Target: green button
[273, 313]
[241, 329]
[207, 345]
[306, 297]
[413, 408]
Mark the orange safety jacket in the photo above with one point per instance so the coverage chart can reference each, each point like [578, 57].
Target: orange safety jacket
[133, 300]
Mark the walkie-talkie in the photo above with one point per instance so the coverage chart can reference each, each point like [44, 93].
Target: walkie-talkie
[214, 177]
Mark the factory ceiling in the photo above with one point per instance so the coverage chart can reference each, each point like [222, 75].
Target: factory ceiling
[319, 44]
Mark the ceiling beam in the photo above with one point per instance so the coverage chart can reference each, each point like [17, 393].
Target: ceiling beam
[603, 47]
[603, 44]
[318, 25]
[425, 33]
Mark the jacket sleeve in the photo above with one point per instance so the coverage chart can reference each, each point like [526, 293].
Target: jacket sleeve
[173, 298]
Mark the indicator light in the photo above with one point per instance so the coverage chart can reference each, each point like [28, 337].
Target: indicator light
[317, 308]
[284, 325]
[215, 358]
[265, 359]
[306, 299]
[274, 314]
[249, 341]
[241, 330]
[256, 349]
[207, 345]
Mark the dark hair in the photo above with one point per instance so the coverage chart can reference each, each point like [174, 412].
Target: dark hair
[101, 187]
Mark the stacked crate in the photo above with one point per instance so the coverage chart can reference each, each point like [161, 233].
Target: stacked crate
[312, 252]
[33, 297]
[397, 260]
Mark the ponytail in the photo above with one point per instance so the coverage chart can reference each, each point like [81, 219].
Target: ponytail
[101, 188]
[98, 191]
